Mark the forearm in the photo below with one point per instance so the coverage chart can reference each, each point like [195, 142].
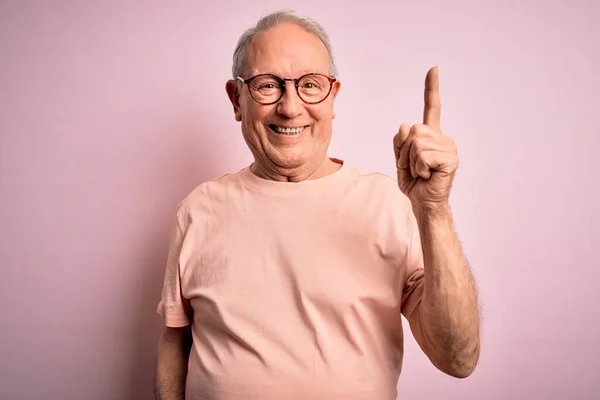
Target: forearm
[449, 312]
[171, 366]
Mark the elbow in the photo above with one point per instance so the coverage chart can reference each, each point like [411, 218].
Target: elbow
[453, 351]
[460, 365]
[461, 371]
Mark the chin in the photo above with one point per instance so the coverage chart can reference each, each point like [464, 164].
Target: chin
[289, 158]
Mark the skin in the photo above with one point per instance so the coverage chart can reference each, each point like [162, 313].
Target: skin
[446, 322]
[173, 352]
[288, 51]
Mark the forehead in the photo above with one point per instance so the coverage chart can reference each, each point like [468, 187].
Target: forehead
[287, 50]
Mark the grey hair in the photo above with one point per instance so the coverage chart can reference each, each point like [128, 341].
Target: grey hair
[269, 21]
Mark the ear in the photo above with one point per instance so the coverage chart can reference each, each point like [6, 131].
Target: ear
[232, 89]
[334, 92]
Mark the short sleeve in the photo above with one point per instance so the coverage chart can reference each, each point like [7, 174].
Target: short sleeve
[173, 308]
[412, 290]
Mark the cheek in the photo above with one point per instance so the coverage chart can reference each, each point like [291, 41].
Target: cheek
[255, 115]
[253, 123]
[322, 115]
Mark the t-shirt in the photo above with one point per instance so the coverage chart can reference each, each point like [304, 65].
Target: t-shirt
[294, 290]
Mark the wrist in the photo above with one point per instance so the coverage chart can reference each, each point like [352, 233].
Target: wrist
[432, 212]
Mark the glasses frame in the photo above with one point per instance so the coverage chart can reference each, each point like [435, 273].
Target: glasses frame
[283, 81]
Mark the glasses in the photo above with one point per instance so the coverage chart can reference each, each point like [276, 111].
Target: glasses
[267, 89]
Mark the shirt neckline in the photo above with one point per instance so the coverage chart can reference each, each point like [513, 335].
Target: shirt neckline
[292, 188]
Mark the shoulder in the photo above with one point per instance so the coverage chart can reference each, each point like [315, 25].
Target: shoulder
[380, 186]
[377, 180]
[201, 199]
[389, 210]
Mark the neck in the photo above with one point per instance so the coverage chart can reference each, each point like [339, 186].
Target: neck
[299, 174]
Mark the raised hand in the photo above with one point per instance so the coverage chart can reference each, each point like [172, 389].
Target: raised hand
[426, 159]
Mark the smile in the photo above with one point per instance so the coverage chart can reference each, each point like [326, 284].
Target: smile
[287, 130]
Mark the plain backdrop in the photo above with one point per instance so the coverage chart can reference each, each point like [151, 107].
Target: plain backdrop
[112, 111]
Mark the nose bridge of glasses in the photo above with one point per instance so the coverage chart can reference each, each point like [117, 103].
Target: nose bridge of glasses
[295, 80]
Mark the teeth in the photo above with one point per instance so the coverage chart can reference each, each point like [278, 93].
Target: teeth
[289, 131]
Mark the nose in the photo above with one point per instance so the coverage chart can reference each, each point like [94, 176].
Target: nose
[290, 104]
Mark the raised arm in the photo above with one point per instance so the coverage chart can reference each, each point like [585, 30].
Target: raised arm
[446, 322]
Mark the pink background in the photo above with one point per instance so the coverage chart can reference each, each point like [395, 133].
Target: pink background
[110, 113]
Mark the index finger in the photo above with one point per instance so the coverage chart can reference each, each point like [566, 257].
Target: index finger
[433, 109]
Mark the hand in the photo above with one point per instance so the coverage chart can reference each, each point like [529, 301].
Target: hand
[426, 159]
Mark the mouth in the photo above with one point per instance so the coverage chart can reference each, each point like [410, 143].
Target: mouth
[287, 131]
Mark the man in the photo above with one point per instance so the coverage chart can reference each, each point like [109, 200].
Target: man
[288, 279]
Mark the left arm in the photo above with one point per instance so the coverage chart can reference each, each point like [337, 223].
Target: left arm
[446, 323]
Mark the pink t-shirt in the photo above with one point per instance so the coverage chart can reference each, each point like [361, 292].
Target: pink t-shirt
[294, 290]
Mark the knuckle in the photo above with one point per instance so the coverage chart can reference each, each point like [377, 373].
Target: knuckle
[418, 129]
[417, 145]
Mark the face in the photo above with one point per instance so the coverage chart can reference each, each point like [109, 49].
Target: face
[289, 52]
